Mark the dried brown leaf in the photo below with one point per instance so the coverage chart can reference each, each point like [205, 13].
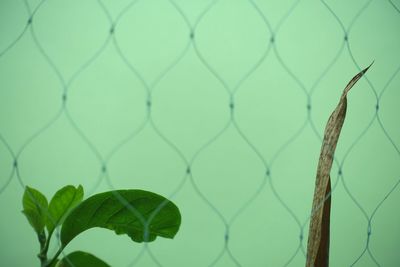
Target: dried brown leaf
[318, 237]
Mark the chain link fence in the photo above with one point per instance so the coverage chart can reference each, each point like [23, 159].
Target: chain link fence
[218, 105]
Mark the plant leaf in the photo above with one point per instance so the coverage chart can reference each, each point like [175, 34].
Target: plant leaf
[81, 259]
[63, 201]
[54, 264]
[35, 208]
[106, 210]
[318, 237]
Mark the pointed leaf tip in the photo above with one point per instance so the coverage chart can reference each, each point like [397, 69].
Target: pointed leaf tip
[367, 68]
[355, 79]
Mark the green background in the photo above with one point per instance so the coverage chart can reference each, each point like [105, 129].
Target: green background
[107, 79]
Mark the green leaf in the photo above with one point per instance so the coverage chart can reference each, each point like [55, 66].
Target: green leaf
[35, 208]
[81, 259]
[105, 210]
[63, 201]
[54, 264]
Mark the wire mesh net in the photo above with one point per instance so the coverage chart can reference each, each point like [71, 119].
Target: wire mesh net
[219, 106]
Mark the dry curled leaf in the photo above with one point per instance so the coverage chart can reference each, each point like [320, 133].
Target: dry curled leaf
[318, 237]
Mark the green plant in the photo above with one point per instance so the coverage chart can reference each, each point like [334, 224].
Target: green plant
[140, 214]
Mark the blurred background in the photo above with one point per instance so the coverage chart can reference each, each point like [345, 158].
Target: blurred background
[218, 105]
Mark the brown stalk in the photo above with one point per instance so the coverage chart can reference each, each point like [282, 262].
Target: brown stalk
[318, 237]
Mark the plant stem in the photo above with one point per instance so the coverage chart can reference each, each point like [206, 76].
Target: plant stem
[42, 240]
[45, 248]
[49, 263]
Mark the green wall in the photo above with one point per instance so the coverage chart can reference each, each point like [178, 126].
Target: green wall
[107, 79]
